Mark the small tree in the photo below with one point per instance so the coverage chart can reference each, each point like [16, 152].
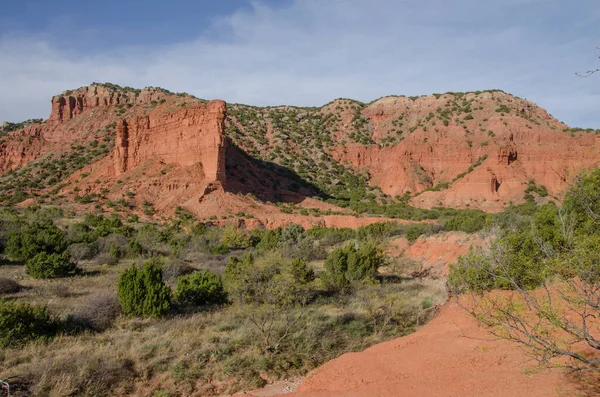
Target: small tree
[552, 271]
[272, 292]
[234, 238]
[40, 236]
[200, 288]
[348, 264]
[142, 291]
[45, 265]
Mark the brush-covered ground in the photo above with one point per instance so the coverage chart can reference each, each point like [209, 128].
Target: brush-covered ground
[290, 306]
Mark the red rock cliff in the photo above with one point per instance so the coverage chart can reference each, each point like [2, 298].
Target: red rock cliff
[73, 103]
[485, 155]
[193, 135]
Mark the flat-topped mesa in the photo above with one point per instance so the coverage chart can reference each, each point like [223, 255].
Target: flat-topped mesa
[72, 103]
[191, 136]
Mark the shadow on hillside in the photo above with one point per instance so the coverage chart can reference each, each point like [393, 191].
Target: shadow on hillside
[267, 181]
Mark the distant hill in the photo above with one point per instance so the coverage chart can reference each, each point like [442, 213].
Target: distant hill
[153, 152]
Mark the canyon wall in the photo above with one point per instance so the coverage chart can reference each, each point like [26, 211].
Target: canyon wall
[193, 135]
[484, 159]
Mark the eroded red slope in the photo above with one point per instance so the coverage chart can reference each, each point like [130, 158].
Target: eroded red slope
[449, 357]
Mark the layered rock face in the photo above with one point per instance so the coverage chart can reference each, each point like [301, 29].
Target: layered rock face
[476, 150]
[73, 103]
[483, 159]
[75, 116]
[193, 135]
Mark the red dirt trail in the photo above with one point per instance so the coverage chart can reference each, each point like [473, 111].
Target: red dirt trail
[452, 356]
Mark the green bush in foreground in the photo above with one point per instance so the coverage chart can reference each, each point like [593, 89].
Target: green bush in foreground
[45, 265]
[200, 288]
[22, 323]
[142, 291]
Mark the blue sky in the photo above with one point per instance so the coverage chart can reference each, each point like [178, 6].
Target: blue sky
[303, 52]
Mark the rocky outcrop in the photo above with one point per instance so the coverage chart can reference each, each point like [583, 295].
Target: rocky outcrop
[70, 104]
[21, 147]
[507, 155]
[191, 136]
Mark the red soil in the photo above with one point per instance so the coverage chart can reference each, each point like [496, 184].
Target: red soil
[450, 356]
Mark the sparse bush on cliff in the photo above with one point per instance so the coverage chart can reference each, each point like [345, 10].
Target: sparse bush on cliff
[142, 291]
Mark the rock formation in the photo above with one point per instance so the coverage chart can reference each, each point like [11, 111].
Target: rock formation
[193, 135]
[73, 103]
[475, 150]
[485, 153]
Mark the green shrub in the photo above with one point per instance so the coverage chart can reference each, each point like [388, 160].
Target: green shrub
[45, 265]
[22, 323]
[200, 288]
[142, 291]
[348, 264]
[378, 230]
[582, 202]
[40, 236]
[292, 234]
[413, 232]
[267, 240]
[469, 222]
[271, 280]
[513, 261]
[234, 238]
[331, 236]
[502, 108]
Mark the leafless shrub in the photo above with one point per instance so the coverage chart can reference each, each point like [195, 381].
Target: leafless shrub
[60, 290]
[8, 286]
[82, 251]
[112, 240]
[105, 258]
[176, 268]
[99, 312]
[216, 264]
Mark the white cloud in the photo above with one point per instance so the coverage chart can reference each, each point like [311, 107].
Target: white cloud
[312, 51]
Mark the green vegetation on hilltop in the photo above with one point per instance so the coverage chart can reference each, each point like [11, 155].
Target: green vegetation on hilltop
[7, 127]
[299, 142]
[301, 139]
